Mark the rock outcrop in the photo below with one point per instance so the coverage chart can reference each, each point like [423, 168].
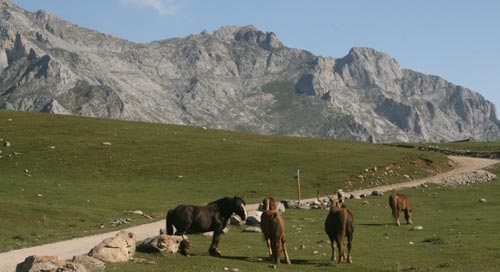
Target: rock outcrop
[236, 78]
[116, 249]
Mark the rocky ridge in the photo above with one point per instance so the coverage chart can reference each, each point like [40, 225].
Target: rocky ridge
[237, 78]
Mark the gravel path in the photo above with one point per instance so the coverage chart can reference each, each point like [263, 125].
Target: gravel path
[68, 249]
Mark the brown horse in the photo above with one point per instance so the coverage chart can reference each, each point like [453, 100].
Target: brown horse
[398, 203]
[212, 217]
[340, 223]
[273, 229]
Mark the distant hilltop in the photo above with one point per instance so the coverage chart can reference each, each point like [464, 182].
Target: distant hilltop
[237, 78]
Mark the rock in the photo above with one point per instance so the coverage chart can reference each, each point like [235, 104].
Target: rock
[280, 207]
[253, 217]
[139, 212]
[418, 228]
[377, 193]
[236, 220]
[106, 143]
[117, 249]
[90, 264]
[363, 195]
[406, 176]
[48, 263]
[7, 144]
[290, 204]
[354, 196]
[483, 200]
[366, 202]
[161, 243]
[252, 229]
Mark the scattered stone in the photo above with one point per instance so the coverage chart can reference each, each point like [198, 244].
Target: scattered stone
[204, 128]
[180, 176]
[116, 249]
[106, 143]
[7, 144]
[253, 217]
[353, 196]
[90, 264]
[48, 263]
[377, 193]
[418, 228]
[366, 202]
[483, 200]
[280, 207]
[52, 147]
[290, 204]
[39, 195]
[236, 220]
[161, 243]
[120, 221]
[406, 176]
[315, 252]
[363, 195]
[139, 212]
[411, 243]
[302, 246]
[252, 229]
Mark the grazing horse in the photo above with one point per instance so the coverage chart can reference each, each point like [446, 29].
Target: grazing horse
[398, 203]
[273, 229]
[212, 217]
[340, 223]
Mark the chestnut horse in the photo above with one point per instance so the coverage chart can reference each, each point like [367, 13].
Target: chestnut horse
[212, 217]
[340, 223]
[273, 229]
[398, 203]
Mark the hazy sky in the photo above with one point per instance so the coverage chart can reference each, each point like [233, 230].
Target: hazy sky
[458, 40]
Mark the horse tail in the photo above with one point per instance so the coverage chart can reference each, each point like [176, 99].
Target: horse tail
[393, 202]
[168, 220]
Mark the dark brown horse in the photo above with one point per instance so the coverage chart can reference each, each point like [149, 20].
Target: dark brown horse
[212, 217]
[273, 229]
[340, 223]
[398, 203]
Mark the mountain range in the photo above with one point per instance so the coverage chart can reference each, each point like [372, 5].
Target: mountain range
[237, 78]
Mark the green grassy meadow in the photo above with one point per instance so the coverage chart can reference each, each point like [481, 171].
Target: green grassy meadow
[459, 234]
[59, 181]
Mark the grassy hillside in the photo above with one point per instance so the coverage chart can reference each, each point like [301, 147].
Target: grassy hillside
[59, 181]
[459, 234]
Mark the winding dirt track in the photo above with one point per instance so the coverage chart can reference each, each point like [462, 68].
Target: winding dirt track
[68, 249]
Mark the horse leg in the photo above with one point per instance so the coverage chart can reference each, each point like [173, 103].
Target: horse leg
[276, 252]
[340, 244]
[213, 250]
[268, 242]
[332, 243]
[349, 246]
[408, 217]
[285, 252]
[397, 218]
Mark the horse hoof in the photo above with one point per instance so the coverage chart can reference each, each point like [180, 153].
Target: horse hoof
[214, 252]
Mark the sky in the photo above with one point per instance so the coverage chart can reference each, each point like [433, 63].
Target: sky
[458, 40]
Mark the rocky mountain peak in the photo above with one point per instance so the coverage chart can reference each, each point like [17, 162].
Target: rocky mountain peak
[248, 34]
[237, 78]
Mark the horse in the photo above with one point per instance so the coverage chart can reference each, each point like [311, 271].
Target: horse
[273, 229]
[269, 204]
[399, 202]
[338, 224]
[212, 217]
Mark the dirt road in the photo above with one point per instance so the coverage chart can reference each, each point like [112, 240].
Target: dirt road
[68, 249]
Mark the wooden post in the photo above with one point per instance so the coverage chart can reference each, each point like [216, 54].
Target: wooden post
[298, 184]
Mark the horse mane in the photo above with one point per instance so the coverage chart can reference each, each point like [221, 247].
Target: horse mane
[226, 204]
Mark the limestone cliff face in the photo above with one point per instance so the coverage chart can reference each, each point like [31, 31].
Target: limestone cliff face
[234, 78]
